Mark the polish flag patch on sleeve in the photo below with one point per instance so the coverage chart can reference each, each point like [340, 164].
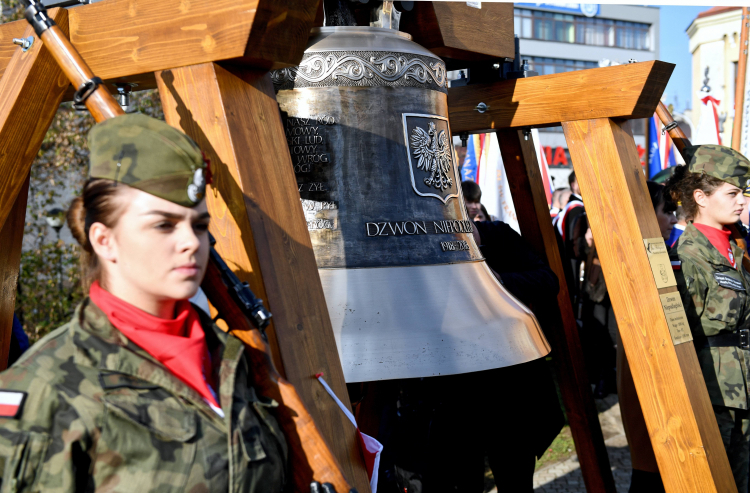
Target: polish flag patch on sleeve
[11, 402]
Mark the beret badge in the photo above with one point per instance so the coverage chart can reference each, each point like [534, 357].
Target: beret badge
[196, 190]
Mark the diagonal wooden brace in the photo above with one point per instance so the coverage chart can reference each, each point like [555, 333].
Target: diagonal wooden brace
[32, 88]
[260, 229]
[670, 386]
[527, 189]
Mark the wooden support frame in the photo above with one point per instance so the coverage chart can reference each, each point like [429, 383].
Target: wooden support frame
[591, 105]
[668, 379]
[623, 91]
[126, 40]
[260, 229]
[527, 189]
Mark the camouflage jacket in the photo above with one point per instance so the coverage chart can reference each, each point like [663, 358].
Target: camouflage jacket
[102, 415]
[714, 305]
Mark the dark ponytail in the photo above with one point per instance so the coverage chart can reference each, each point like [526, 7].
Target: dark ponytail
[96, 204]
[683, 183]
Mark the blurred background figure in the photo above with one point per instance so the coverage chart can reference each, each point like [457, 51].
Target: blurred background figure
[560, 197]
[570, 226]
[678, 228]
[473, 200]
[483, 215]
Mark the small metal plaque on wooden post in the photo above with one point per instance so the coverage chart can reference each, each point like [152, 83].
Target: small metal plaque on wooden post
[661, 267]
[677, 321]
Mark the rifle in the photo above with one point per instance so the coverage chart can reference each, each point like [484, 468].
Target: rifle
[681, 142]
[312, 461]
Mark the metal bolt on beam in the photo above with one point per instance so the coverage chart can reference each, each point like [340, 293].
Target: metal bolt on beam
[24, 43]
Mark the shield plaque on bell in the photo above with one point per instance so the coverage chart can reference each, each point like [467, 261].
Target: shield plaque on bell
[430, 156]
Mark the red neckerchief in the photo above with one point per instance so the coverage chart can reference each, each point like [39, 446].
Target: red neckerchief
[179, 344]
[719, 238]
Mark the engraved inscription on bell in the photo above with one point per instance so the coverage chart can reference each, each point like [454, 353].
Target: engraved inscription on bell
[430, 156]
[308, 146]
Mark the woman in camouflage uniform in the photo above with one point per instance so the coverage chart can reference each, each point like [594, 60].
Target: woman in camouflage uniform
[140, 391]
[714, 287]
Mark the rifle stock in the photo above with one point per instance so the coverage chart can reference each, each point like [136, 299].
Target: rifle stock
[681, 142]
[311, 459]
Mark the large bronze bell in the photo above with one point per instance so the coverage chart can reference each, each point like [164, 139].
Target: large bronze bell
[408, 291]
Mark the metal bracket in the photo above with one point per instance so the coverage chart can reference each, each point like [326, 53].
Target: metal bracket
[123, 94]
[24, 43]
[669, 127]
[83, 93]
[37, 16]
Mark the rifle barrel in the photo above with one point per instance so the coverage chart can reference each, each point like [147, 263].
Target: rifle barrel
[678, 136]
[100, 102]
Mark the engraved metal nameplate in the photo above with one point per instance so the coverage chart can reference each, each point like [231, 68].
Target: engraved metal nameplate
[677, 321]
[661, 267]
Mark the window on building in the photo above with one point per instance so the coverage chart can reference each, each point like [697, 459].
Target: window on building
[546, 66]
[564, 28]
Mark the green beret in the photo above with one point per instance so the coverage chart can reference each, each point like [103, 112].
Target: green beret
[149, 155]
[720, 162]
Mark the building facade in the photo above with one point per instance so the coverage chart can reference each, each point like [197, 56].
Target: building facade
[715, 46]
[558, 38]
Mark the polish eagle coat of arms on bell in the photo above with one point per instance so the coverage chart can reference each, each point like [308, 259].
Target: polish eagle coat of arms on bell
[409, 294]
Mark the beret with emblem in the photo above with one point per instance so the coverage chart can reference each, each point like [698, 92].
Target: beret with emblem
[149, 155]
[720, 162]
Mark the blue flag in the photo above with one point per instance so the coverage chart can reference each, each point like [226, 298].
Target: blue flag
[469, 168]
[654, 158]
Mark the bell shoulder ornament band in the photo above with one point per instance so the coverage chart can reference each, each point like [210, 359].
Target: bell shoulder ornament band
[363, 69]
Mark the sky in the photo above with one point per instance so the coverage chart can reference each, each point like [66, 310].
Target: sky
[674, 48]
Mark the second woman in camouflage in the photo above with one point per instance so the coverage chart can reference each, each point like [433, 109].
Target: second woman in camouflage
[714, 287]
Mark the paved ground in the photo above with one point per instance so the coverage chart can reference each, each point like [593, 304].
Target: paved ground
[566, 477]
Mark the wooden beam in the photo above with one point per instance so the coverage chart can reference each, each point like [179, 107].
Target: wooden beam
[11, 240]
[623, 91]
[127, 40]
[559, 324]
[261, 231]
[32, 88]
[460, 34]
[7, 48]
[119, 38]
[667, 377]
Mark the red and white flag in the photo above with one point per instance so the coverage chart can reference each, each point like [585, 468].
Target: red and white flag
[10, 403]
[371, 448]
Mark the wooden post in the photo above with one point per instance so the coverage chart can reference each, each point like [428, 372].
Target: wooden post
[11, 240]
[260, 229]
[527, 189]
[667, 377]
[32, 87]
